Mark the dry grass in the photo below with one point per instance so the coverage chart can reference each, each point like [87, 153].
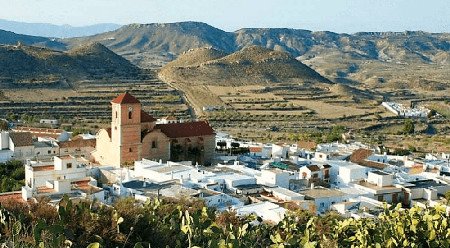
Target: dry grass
[326, 110]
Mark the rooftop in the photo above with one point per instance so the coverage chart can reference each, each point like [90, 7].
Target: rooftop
[186, 129]
[322, 193]
[381, 173]
[43, 168]
[139, 185]
[146, 117]
[284, 191]
[21, 138]
[125, 98]
[376, 187]
[77, 143]
[424, 184]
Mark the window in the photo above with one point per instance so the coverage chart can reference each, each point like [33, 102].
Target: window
[130, 150]
[130, 114]
[49, 152]
[154, 144]
[69, 165]
[315, 175]
[116, 114]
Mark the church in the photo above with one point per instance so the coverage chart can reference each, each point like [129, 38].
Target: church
[135, 135]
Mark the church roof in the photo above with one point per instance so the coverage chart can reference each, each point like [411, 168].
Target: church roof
[125, 98]
[186, 129]
[77, 143]
[146, 117]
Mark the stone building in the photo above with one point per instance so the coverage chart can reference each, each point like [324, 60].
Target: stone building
[134, 135]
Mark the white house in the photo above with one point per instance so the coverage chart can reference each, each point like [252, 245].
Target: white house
[276, 177]
[423, 190]
[323, 197]
[315, 173]
[380, 185]
[268, 211]
[21, 144]
[284, 194]
[161, 172]
[280, 151]
[219, 200]
[64, 175]
[349, 172]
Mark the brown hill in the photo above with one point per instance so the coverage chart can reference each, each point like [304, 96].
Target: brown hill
[251, 65]
[28, 64]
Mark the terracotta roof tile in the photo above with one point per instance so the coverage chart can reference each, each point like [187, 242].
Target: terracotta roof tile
[125, 98]
[313, 167]
[187, 129]
[255, 149]
[21, 138]
[15, 196]
[360, 157]
[146, 117]
[77, 143]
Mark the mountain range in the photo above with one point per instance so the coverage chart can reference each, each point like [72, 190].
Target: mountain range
[56, 31]
[376, 59]
[171, 39]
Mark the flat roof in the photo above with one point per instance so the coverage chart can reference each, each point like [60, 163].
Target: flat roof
[322, 193]
[424, 184]
[381, 173]
[284, 191]
[249, 186]
[171, 168]
[375, 187]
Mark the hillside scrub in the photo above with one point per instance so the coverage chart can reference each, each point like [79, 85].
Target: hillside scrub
[188, 223]
[12, 176]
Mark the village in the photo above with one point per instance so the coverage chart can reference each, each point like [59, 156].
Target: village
[147, 158]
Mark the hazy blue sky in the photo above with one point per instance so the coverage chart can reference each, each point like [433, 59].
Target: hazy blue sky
[333, 15]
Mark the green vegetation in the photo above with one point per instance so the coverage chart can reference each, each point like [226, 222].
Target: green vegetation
[447, 196]
[408, 127]
[12, 175]
[190, 224]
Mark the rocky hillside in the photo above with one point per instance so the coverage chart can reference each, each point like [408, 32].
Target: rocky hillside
[10, 38]
[251, 65]
[145, 43]
[40, 66]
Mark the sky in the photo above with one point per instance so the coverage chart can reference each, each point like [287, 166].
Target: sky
[347, 16]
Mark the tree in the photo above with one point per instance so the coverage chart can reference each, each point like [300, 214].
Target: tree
[431, 113]
[3, 125]
[221, 144]
[235, 145]
[408, 127]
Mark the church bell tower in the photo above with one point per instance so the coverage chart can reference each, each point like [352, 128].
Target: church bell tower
[126, 128]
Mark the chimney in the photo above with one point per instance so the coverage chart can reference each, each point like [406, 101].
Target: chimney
[312, 185]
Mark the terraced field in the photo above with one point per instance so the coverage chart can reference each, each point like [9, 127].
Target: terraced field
[88, 101]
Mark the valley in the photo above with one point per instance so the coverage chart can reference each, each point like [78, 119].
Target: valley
[259, 84]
